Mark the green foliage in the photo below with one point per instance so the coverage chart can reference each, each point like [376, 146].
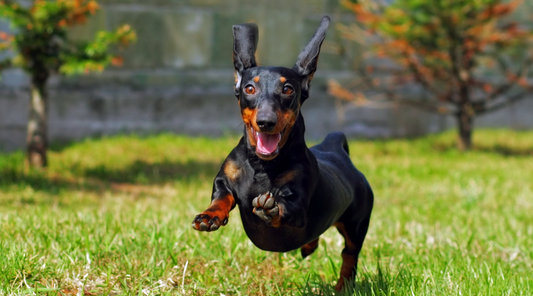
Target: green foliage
[113, 215]
[41, 41]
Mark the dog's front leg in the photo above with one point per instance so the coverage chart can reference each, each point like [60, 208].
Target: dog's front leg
[217, 214]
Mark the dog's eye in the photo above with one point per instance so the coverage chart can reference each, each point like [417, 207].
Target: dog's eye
[249, 90]
[287, 90]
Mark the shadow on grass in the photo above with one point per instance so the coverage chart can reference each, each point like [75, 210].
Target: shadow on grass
[500, 149]
[141, 172]
[101, 178]
[506, 151]
[367, 283]
[40, 181]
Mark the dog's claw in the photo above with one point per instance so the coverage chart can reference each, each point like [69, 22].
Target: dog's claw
[205, 222]
[204, 226]
[269, 203]
[262, 199]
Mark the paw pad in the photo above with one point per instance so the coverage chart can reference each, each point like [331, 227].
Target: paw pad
[265, 207]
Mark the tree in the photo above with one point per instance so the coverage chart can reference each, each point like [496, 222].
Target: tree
[40, 45]
[461, 58]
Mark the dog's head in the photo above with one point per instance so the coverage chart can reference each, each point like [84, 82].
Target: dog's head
[270, 97]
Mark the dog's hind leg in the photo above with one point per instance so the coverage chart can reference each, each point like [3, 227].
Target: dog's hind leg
[354, 235]
[309, 248]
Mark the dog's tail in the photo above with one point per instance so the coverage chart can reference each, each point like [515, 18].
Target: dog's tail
[334, 141]
[344, 142]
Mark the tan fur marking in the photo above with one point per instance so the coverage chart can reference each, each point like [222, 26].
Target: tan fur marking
[347, 270]
[348, 261]
[286, 178]
[248, 117]
[310, 247]
[283, 79]
[342, 229]
[287, 122]
[232, 170]
[256, 79]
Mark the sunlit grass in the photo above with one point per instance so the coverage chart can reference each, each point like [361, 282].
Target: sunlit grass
[112, 216]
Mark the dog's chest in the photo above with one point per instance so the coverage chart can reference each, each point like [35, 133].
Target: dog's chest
[251, 185]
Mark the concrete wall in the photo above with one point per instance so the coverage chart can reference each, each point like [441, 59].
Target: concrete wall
[179, 75]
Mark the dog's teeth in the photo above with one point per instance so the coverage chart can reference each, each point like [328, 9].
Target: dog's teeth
[254, 202]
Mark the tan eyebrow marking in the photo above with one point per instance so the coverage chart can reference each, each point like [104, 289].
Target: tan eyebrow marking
[256, 79]
[282, 79]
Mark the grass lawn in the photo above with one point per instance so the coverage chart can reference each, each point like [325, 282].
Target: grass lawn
[113, 216]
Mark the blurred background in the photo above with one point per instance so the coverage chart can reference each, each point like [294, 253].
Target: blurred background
[178, 76]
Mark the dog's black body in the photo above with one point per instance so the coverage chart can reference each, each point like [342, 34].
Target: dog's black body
[288, 194]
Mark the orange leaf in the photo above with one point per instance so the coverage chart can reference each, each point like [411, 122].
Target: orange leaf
[62, 23]
[117, 61]
[336, 90]
[4, 35]
[522, 82]
[442, 110]
[92, 6]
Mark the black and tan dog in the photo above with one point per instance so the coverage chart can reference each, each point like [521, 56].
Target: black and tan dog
[288, 194]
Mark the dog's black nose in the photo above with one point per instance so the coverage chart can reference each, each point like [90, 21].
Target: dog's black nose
[266, 121]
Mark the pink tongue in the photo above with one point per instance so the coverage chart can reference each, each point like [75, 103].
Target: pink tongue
[267, 144]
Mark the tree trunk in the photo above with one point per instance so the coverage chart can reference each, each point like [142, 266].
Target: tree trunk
[465, 125]
[37, 138]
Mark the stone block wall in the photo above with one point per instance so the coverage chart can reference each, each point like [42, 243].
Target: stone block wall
[179, 75]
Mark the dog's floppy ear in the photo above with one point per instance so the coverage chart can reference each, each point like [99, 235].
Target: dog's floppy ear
[307, 60]
[245, 38]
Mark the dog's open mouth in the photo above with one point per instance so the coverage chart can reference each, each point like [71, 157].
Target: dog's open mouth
[267, 144]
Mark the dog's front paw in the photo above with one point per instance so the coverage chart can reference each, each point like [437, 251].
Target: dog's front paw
[266, 208]
[209, 221]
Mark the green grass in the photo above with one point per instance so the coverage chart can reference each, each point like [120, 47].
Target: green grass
[113, 215]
